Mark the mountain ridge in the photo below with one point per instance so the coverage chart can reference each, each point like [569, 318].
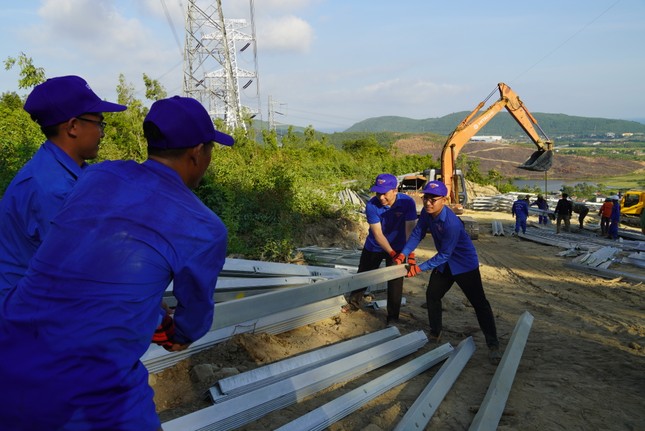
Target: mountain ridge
[502, 124]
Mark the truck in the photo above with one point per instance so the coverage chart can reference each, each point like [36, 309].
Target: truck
[632, 205]
[540, 160]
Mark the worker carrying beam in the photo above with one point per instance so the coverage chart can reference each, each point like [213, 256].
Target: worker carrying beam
[75, 326]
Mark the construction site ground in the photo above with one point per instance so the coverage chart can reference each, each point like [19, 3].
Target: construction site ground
[583, 367]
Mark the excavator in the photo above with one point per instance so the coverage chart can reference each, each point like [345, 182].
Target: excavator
[541, 160]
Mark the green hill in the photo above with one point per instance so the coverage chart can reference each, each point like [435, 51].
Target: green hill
[503, 124]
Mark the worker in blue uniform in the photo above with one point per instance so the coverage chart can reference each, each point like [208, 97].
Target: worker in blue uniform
[542, 205]
[74, 328]
[70, 115]
[614, 219]
[391, 216]
[456, 261]
[520, 210]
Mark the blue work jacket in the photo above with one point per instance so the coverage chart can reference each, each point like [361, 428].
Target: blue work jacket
[454, 246]
[28, 206]
[74, 328]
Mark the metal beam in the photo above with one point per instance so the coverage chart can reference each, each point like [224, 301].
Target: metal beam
[262, 376]
[325, 415]
[421, 411]
[230, 313]
[250, 406]
[157, 358]
[487, 418]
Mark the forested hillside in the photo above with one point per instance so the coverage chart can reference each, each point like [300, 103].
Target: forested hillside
[502, 124]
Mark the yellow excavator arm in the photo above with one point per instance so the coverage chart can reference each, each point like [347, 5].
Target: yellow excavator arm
[540, 160]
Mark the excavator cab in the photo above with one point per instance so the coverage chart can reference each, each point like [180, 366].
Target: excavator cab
[540, 161]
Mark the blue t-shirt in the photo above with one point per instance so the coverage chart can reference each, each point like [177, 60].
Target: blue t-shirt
[28, 206]
[392, 220]
[75, 326]
[454, 246]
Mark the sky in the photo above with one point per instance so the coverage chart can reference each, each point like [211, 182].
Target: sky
[333, 63]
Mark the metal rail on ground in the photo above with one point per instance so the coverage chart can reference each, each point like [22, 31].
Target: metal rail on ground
[325, 415]
[250, 406]
[262, 376]
[491, 409]
[421, 411]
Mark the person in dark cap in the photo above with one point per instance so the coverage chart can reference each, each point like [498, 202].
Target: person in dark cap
[70, 116]
[391, 217]
[614, 219]
[75, 326]
[520, 210]
[456, 261]
[542, 205]
[563, 211]
[582, 210]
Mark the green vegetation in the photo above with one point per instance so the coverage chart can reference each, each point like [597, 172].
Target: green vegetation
[267, 188]
[557, 126]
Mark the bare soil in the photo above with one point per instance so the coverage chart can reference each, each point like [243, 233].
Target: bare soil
[505, 158]
[582, 368]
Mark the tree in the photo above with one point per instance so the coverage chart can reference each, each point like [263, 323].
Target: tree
[472, 172]
[124, 134]
[30, 75]
[154, 90]
[20, 137]
[495, 177]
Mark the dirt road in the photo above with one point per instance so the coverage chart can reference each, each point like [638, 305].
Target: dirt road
[583, 367]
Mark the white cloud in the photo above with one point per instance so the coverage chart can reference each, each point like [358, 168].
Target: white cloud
[287, 33]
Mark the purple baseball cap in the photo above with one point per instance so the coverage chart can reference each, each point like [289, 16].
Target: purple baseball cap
[59, 99]
[384, 183]
[436, 188]
[184, 123]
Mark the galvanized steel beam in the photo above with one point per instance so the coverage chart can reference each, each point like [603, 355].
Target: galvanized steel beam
[262, 376]
[333, 411]
[491, 409]
[421, 411]
[230, 313]
[250, 406]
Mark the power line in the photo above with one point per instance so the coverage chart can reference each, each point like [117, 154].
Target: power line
[583, 28]
[172, 27]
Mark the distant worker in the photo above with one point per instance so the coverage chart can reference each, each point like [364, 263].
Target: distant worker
[614, 220]
[456, 261]
[75, 326]
[563, 211]
[605, 216]
[70, 115]
[582, 210]
[520, 210]
[542, 205]
[643, 221]
[391, 217]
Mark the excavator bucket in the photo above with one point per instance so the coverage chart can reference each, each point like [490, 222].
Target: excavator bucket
[540, 160]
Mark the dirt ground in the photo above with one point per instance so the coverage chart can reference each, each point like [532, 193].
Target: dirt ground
[506, 157]
[583, 367]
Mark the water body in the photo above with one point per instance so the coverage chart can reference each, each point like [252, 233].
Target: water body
[551, 185]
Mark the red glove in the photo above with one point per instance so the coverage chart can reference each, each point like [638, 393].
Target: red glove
[165, 332]
[397, 258]
[411, 259]
[413, 270]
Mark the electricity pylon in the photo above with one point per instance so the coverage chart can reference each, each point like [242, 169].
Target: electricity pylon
[211, 72]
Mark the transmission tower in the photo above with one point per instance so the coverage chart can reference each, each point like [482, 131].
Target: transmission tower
[211, 72]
